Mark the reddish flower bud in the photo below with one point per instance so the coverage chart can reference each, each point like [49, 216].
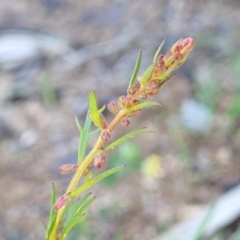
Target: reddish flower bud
[183, 46]
[121, 101]
[61, 202]
[106, 135]
[135, 102]
[128, 102]
[144, 96]
[67, 168]
[113, 107]
[125, 102]
[152, 91]
[125, 122]
[152, 85]
[100, 159]
[132, 90]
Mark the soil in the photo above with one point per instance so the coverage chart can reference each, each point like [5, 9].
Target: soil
[78, 46]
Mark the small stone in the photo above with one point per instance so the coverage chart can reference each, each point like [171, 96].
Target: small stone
[27, 139]
[195, 115]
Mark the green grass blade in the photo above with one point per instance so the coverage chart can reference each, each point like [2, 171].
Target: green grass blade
[53, 200]
[52, 216]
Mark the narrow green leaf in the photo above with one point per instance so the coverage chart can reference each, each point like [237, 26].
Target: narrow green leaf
[53, 200]
[92, 181]
[107, 173]
[72, 208]
[158, 51]
[52, 216]
[147, 74]
[94, 113]
[77, 217]
[166, 81]
[136, 69]
[102, 108]
[84, 207]
[143, 105]
[94, 132]
[84, 138]
[74, 213]
[51, 226]
[78, 125]
[126, 137]
[69, 227]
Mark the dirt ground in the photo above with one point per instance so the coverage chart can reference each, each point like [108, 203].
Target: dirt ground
[53, 52]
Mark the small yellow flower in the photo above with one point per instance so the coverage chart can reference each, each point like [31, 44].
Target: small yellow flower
[151, 167]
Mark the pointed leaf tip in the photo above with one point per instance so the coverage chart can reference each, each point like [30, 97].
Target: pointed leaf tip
[143, 105]
[136, 69]
[126, 137]
[158, 51]
[80, 128]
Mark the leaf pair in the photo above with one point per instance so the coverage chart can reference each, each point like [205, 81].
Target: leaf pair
[148, 71]
[90, 180]
[74, 214]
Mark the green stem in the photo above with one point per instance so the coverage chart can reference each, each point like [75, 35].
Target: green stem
[88, 160]
[83, 166]
[83, 142]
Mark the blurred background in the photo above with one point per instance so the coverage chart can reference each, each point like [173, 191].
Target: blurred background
[53, 52]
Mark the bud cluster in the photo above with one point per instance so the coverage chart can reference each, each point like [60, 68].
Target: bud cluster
[132, 90]
[126, 102]
[113, 107]
[153, 79]
[166, 64]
